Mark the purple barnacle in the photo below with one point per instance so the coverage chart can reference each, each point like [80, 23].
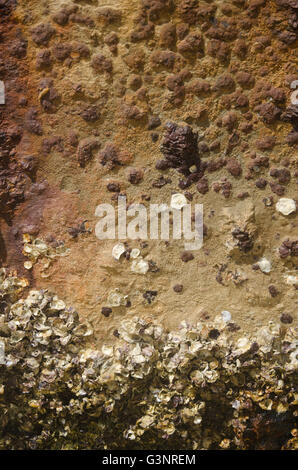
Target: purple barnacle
[180, 147]
[291, 115]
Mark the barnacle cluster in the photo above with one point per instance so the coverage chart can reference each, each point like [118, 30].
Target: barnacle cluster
[35, 249]
[180, 147]
[195, 388]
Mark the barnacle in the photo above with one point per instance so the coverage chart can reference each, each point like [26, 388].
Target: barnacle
[162, 380]
[118, 250]
[94, 103]
[286, 206]
[35, 249]
[180, 147]
[140, 266]
[116, 298]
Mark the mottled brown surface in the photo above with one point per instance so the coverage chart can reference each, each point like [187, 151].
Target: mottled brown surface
[89, 89]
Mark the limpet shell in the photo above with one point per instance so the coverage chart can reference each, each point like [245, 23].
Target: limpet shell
[286, 206]
[118, 251]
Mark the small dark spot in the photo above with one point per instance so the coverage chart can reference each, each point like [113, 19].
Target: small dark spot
[153, 122]
[80, 228]
[243, 195]
[113, 187]
[261, 183]
[254, 347]
[135, 175]
[178, 288]
[233, 327]
[214, 333]
[162, 165]
[244, 240]
[153, 268]
[106, 311]
[205, 316]
[273, 291]
[187, 256]
[101, 64]
[286, 318]
[150, 295]
[160, 182]
[203, 186]
[91, 114]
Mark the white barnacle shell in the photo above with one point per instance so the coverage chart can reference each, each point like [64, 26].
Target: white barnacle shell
[236, 404]
[89, 353]
[226, 316]
[129, 434]
[83, 329]
[266, 404]
[28, 265]
[48, 375]
[146, 421]
[178, 201]
[197, 377]
[264, 265]
[118, 250]
[140, 266]
[210, 375]
[195, 347]
[64, 341]
[243, 345]
[57, 304]
[32, 363]
[33, 298]
[291, 279]
[17, 336]
[107, 350]
[115, 298]
[40, 245]
[135, 252]
[286, 206]
[198, 419]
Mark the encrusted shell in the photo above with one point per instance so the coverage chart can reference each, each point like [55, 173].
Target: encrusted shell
[264, 265]
[118, 250]
[170, 382]
[140, 266]
[178, 201]
[286, 206]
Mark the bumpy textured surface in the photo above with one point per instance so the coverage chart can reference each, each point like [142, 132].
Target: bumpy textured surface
[190, 389]
[147, 98]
